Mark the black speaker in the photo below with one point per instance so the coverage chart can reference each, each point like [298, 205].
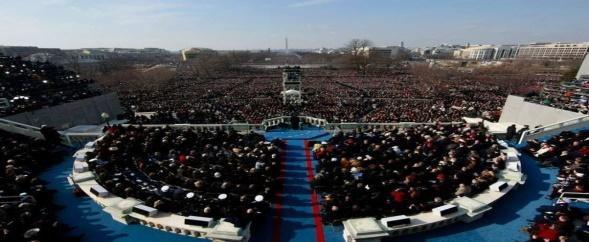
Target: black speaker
[445, 210]
[396, 221]
[575, 195]
[198, 221]
[99, 191]
[144, 210]
[499, 186]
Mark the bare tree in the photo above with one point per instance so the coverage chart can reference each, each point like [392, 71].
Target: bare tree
[357, 50]
[356, 47]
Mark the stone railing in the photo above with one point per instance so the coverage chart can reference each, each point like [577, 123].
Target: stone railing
[266, 123]
[240, 127]
[130, 210]
[352, 126]
[319, 122]
[465, 209]
[323, 123]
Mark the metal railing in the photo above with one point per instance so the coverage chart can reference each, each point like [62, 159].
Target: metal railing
[20, 128]
[69, 139]
[574, 197]
[553, 129]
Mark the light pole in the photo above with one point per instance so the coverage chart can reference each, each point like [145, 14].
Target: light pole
[105, 117]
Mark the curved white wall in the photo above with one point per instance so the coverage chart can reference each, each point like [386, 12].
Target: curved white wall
[518, 111]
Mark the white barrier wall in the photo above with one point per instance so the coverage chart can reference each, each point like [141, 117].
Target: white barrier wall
[67, 115]
[583, 72]
[518, 111]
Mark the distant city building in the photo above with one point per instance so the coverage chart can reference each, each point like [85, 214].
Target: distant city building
[482, 52]
[25, 51]
[505, 52]
[442, 51]
[87, 56]
[383, 52]
[379, 52]
[40, 57]
[324, 50]
[553, 51]
[487, 52]
[193, 53]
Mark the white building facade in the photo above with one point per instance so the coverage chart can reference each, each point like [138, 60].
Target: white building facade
[487, 52]
[553, 51]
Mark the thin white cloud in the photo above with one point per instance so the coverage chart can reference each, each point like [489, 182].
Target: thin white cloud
[308, 3]
[129, 14]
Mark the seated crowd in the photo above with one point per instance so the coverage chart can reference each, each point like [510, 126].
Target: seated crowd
[220, 174]
[569, 152]
[27, 86]
[404, 171]
[560, 222]
[26, 213]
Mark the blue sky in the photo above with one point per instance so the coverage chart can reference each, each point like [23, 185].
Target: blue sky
[260, 24]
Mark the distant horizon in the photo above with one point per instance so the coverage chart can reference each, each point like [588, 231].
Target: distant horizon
[308, 24]
[283, 49]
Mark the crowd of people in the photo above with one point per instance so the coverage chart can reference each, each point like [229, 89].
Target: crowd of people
[570, 95]
[26, 213]
[27, 86]
[218, 174]
[569, 152]
[382, 173]
[560, 222]
[335, 95]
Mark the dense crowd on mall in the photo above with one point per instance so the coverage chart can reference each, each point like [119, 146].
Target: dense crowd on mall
[567, 151]
[26, 211]
[217, 174]
[27, 86]
[379, 173]
[335, 95]
[570, 95]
